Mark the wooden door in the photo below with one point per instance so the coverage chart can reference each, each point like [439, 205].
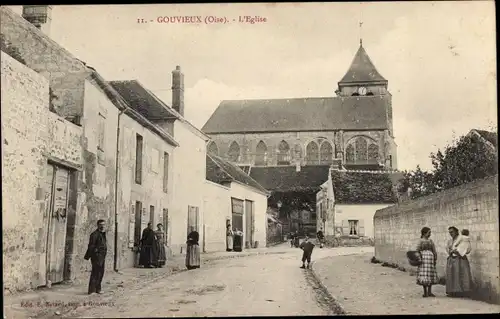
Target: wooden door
[249, 226]
[56, 239]
[165, 225]
[138, 223]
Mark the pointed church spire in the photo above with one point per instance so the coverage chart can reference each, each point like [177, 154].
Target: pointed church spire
[362, 69]
[361, 34]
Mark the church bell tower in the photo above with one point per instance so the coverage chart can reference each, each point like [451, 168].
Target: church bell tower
[362, 78]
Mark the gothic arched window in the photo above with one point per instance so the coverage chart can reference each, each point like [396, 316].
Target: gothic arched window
[373, 153]
[312, 153]
[261, 154]
[361, 149]
[283, 153]
[213, 149]
[349, 153]
[234, 152]
[325, 153]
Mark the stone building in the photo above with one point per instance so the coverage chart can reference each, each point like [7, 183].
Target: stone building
[288, 144]
[355, 126]
[77, 94]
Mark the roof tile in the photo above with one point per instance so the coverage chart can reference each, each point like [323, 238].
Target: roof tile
[299, 114]
[287, 179]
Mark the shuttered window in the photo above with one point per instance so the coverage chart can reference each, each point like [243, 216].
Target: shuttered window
[138, 159]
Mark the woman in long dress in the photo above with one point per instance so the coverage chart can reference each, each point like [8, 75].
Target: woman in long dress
[458, 274]
[160, 246]
[147, 256]
[193, 250]
[427, 274]
[229, 238]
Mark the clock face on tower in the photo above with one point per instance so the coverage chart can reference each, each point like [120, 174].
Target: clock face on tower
[362, 90]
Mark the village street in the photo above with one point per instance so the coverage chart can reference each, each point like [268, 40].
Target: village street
[271, 284]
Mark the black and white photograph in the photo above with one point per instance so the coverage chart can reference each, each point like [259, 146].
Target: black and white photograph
[249, 159]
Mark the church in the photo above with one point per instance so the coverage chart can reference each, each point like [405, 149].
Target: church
[289, 144]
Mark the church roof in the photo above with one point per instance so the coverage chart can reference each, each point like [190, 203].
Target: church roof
[362, 69]
[287, 179]
[488, 136]
[299, 114]
[351, 187]
[220, 171]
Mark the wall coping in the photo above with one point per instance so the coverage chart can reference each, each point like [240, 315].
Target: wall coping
[436, 198]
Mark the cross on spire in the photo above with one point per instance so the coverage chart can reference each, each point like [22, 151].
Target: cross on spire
[361, 33]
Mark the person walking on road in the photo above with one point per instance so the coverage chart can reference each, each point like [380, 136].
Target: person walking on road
[96, 252]
[307, 248]
[427, 274]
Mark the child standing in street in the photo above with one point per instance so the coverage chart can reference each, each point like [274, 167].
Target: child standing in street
[307, 248]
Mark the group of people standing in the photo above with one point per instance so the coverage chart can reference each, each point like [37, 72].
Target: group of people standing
[458, 273]
[233, 239]
[152, 247]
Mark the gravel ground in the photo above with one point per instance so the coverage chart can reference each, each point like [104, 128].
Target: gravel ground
[363, 288]
[264, 285]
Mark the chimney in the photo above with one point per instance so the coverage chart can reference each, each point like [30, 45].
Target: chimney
[39, 15]
[178, 90]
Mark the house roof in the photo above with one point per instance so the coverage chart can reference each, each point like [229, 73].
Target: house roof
[299, 114]
[287, 179]
[149, 105]
[351, 187]
[362, 69]
[489, 136]
[141, 100]
[220, 171]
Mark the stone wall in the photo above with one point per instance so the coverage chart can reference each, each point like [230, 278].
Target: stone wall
[297, 142]
[31, 135]
[473, 206]
[64, 71]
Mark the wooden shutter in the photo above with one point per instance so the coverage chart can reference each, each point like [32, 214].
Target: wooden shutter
[345, 227]
[165, 224]
[131, 227]
[361, 227]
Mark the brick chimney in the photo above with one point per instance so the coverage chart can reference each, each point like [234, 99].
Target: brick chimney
[178, 90]
[39, 15]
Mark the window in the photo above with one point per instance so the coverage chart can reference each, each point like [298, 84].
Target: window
[261, 154]
[101, 138]
[353, 227]
[326, 153]
[361, 149]
[155, 160]
[138, 159]
[234, 152]
[373, 153]
[213, 149]
[312, 153]
[166, 159]
[283, 153]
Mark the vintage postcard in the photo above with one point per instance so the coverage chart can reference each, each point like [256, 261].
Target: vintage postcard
[250, 159]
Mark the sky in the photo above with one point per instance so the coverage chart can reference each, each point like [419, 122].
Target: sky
[439, 57]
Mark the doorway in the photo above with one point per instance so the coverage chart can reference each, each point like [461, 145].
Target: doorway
[55, 223]
[250, 224]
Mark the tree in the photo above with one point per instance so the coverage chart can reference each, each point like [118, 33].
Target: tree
[466, 160]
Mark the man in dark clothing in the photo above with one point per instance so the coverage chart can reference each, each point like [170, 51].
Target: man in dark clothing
[307, 247]
[147, 257]
[96, 252]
